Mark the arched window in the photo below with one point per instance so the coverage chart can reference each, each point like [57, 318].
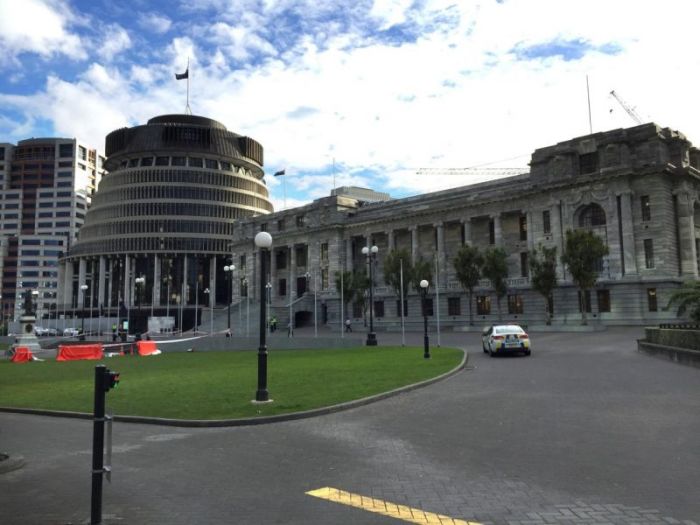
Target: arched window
[591, 216]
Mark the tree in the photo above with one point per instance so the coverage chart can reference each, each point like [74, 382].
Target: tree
[467, 263]
[421, 270]
[348, 290]
[543, 274]
[392, 270]
[360, 290]
[687, 298]
[583, 251]
[495, 269]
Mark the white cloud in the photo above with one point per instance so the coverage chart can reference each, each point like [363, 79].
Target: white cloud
[116, 40]
[390, 12]
[36, 26]
[154, 22]
[239, 41]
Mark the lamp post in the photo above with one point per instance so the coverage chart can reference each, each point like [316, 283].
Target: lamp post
[371, 254]
[167, 299]
[247, 307]
[211, 312]
[83, 288]
[263, 241]
[229, 274]
[424, 293]
[268, 292]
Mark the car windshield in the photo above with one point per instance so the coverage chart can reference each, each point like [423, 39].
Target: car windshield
[510, 329]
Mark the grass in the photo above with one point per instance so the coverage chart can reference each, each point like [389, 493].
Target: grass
[220, 385]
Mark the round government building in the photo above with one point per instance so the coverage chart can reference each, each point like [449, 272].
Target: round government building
[157, 235]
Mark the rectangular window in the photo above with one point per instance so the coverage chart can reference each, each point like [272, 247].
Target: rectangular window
[453, 306]
[651, 299]
[241, 263]
[281, 259]
[649, 252]
[225, 166]
[280, 225]
[524, 266]
[301, 221]
[588, 162]
[212, 164]
[65, 150]
[263, 227]
[587, 300]
[483, 305]
[196, 162]
[515, 304]
[378, 309]
[522, 225]
[83, 153]
[162, 161]
[301, 255]
[603, 300]
[492, 232]
[282, 287]
[133, 163]
[646, 208]
[179, 161]
[546, 222]
[324, 252]
[405, 308]
[324, 278]
[147, 161]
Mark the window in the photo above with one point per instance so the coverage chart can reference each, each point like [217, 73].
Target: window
[196, 162]
[492, 232]
[483, 305]
[263, 227]
[515, 304]
[225, 166]
[282, 287]
[281, 259]
[649, 252]
[524, 267]
[603, 300]
[179, 161]
[324, 252]
[405, 308]
[546, 222]
[212, 164]
[65, 150]
[522, 225]
[31, 242]
[301, 221]
[453, 306]
[646, 208]
[83, 153]
[651, 299]
[301, 253]
[378, 309]
[133, 163]
[280, 225]
[162, 161]
[591, 215]
[587, 300]
[146, 161]
[324, 278]
[588, 162]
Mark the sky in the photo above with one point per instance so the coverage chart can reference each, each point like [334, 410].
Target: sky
[363, 93]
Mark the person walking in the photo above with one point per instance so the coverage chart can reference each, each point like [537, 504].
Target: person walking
[348, 325]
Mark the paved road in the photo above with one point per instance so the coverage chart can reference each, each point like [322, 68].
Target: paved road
[584, 431]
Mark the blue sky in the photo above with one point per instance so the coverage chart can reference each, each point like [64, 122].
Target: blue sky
[353, 93]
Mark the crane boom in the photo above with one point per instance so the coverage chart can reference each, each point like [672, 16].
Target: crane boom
[629, 109]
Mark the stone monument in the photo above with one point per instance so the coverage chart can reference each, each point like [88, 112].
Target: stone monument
[27, 320]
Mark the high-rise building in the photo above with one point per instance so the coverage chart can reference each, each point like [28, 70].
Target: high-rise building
[46, 186]
[158, 233]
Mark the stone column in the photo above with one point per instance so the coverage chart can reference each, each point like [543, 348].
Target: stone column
[557, 236]
[390, 240]
[467, 229]
[686, 236]
[212, 281]
[441, 258]
[497, 231]
[292, 272]
[82, 270]
[102, 276]
[347, 267]
[530, 232]
[627, 240]
[414, 243]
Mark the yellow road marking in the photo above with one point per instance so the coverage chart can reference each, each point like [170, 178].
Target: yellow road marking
[386, 508]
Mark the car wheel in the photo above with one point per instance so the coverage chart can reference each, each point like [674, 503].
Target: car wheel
[492, 353]
[527, 352]
[483, 347]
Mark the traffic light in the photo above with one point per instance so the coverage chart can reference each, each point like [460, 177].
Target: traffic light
[111, 379]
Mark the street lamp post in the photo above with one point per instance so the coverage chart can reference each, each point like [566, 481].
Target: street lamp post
[371, 254]
[211, 312]
[263, 241]
[426, 343]
[268, 292]
[83, 288]
[229, 274]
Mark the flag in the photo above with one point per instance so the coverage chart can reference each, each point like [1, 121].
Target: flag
[277, 174]
[183, 76]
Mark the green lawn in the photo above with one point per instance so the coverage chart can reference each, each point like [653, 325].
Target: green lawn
[220, 385]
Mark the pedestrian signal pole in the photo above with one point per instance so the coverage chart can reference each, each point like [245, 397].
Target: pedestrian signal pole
[105, 380]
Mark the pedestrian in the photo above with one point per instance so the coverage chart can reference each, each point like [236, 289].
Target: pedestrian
[114, 333]
[228, 332]
[348, 326]
[273, 324]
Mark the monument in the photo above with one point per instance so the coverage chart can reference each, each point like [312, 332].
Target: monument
[26, 336]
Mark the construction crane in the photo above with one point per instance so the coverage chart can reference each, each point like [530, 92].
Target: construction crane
[629, 109]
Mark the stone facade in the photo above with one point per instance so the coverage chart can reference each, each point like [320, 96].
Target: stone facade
[637, 188]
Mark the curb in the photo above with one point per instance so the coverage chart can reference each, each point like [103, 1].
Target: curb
[203, 423]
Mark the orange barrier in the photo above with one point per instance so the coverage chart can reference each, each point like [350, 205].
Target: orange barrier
[22, 355]
[146, 347]
[76, 352]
